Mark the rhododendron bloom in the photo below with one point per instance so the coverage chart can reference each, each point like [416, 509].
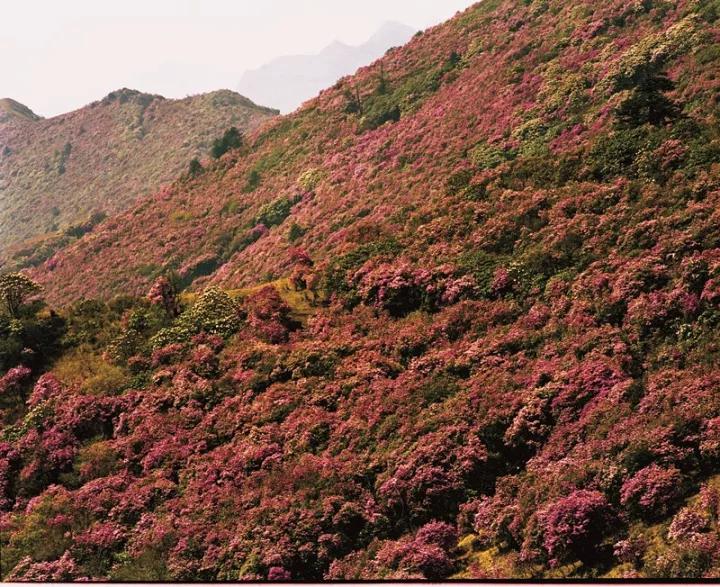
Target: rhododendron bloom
[652, 490]
[576, 524]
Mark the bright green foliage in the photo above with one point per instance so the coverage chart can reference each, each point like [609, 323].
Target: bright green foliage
[309, 180]
[214, 312]
[15, 289]
[140, 324]
[275, 213]
[487, 156]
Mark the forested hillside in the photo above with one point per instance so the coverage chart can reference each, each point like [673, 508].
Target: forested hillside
[458, 317]
[59, 177]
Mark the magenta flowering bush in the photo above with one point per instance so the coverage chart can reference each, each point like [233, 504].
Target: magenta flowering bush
[575, 525]
[630, 551]
[652, 491]
[688, 524]
[269, 316]
[11, 381]
[440, 534]
[400, 287]
[168, 355]
[163, 294]
[278, 574]
[63, 569]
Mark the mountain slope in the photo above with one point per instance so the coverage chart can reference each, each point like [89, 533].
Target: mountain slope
[54, 173]
[533, 100]
[479, 337]
[11, 108]
[287, 82]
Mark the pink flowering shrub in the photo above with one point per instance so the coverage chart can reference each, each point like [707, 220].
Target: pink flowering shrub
[503, 323]
[431, 478]
[652, 491]
[47, 387]
[427, 555]
[269, 316]
[531, 425]
[278, 574]
[302, 276]
[710, 440]
[63, 569]
[168, 355]
[439, 534]
[687, 524]
[204, 360]
[401, 287]
[163, 294]
[10, 382]
[575, 525]
[630, 550]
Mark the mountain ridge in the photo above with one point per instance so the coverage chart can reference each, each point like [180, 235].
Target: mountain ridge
[56, 172]
[13, 108]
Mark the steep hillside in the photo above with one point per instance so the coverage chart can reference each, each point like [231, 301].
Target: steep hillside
[285, 83]
[55, 173]
[457, 317]
[491, 120]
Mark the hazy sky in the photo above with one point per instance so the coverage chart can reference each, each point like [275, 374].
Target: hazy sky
[58, 55]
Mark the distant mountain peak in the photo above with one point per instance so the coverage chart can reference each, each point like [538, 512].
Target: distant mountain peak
[336, 44]
[392, 27]
[287, 82]
[13, 108]
[226, 97]
[127, 95]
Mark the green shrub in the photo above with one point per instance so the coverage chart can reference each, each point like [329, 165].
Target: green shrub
[380, 112]
[296, 232]
[214, 312]
[438, 388]
[487, 156]
[458, 181]
[79, 230]
[253, 181]
[353, 104]
[275, 213]
[232, 139]
[334, 279]
[195, 168]
[309, 180]
[15, 289]
[141, 323]
[614, 155]
[482, 267]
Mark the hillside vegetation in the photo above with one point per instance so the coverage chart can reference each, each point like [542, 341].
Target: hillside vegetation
[56, 173]
[11, 109]
[458, 317]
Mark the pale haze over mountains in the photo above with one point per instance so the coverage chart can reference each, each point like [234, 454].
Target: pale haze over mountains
[286, 82]
[81, 50]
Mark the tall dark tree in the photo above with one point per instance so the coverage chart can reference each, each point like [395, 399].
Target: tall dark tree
[232, 139]
[647, 102]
